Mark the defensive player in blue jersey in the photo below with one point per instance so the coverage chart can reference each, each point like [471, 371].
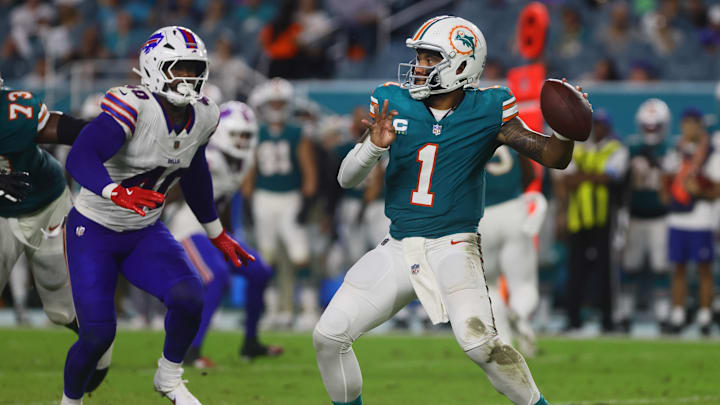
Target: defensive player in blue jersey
[147, 138]
[230, 155]
[34, 199]
[439, 134]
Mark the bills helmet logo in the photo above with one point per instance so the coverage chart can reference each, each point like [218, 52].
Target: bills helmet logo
[152, 42]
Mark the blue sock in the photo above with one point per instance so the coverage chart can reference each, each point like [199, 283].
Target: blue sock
[358, 401]
[541, 401]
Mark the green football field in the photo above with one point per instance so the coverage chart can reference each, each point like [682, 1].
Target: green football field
[397, 369]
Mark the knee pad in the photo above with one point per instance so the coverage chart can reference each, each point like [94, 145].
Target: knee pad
[474, 333]
[494, 350]
[98, 337]
[60, 316]
[185, 296]
[324, 343]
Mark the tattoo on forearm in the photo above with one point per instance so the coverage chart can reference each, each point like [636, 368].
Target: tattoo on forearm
[525, 141]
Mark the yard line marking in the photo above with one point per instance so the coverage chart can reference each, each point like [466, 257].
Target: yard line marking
[693, 399]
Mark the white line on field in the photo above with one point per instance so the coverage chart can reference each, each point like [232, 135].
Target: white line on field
[685, 400]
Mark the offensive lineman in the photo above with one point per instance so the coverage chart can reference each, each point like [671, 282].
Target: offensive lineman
[34, 199]
[437, 129]
[147, 138]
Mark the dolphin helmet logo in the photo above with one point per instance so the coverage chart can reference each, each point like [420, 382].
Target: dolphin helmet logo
[463, 40]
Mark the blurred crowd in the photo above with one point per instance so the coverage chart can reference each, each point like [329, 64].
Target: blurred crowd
[593, 40]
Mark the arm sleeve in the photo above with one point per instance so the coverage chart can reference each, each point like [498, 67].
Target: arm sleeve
[98, 141]
[358, 163]
[197, 188]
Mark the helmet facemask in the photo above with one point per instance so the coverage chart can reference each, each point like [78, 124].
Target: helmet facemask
[183, 90]
[408, 76]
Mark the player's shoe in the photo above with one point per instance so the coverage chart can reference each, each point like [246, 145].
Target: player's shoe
[252, 349]
[67, 401]
[169, 383]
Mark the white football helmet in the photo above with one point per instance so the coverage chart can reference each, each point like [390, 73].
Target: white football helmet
[161, 52]
[459, 42]
[653, 120]
[237, 132]
[273, 100]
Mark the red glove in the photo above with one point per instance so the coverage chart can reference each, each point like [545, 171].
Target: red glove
[232, 250]
[136, 198]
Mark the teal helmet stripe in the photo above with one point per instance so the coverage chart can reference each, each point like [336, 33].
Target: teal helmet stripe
[433, 23]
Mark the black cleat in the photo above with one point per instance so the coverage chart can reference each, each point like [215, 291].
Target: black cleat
[252, 349]
[705, 330]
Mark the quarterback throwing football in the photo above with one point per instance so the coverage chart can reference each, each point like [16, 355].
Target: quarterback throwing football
[439, 134]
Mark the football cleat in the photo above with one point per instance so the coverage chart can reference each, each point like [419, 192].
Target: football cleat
[252, 349]
[169, 383]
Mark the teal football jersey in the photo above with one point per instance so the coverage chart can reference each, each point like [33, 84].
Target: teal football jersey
[503, 180]
[646, 175]
[21, 117]
[434, 183]
[277, 161]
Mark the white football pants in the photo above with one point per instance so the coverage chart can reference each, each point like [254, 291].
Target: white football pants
[39, 236]
[275, 216]
[379, 285]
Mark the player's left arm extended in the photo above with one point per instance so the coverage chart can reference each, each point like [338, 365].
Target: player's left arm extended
[60, 128]
[196, 186]
[548, 150]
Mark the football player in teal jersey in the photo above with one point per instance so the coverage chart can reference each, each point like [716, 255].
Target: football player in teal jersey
[647, 231]
[285, 181]
[34, 199]
[439, 135]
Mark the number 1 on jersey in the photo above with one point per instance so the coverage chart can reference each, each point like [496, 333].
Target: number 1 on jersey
[422, 195]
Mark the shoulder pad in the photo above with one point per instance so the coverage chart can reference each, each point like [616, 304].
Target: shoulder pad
[506, 99]
[382, 92]
[123, 104]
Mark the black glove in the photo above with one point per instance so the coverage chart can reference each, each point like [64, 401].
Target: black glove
[304, 213]
[14, 186]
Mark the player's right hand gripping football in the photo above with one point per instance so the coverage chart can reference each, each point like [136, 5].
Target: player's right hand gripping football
[136, 198]
[382, 131]
[14, 186]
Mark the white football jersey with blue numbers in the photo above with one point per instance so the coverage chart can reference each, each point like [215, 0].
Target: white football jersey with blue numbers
[154, 155]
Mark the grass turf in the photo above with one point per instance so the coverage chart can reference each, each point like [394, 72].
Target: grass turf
[397, 370]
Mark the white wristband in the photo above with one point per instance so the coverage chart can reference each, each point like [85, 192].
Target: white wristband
[213, 229]
[369, 153]
[562, 138]
[107, 190]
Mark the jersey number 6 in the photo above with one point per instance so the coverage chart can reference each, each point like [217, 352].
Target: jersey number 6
[422, 195]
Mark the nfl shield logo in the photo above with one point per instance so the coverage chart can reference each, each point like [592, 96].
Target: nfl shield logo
[176, 144]
[415, 269]
[437, 129]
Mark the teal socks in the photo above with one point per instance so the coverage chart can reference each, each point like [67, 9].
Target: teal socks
[358, 401]
[541, 401]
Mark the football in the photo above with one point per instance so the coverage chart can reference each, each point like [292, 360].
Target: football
[566, 110]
